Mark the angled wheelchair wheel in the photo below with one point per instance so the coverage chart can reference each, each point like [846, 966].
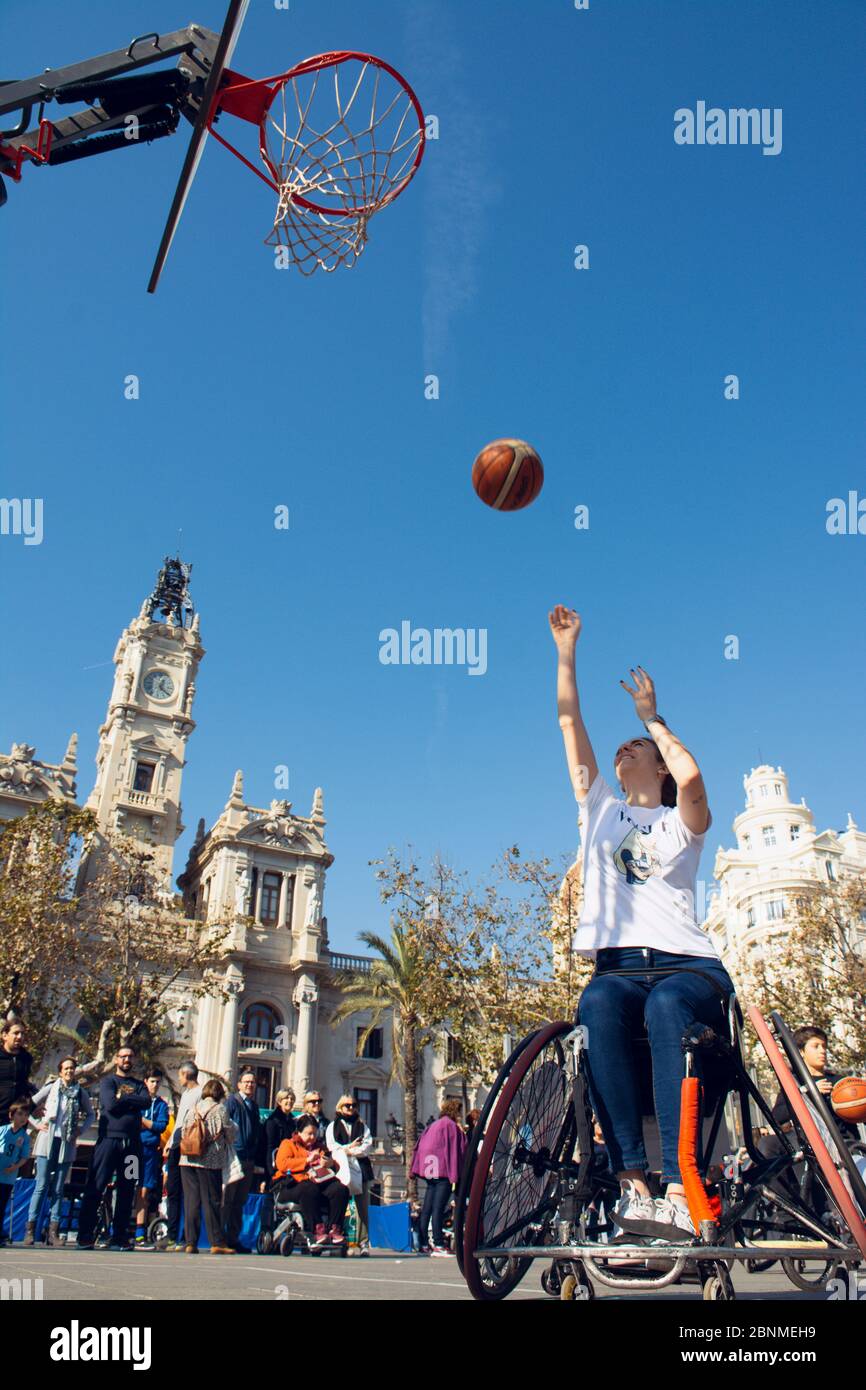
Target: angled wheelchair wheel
[264, 1243]
[514, 1189]
[836, 1171]
[461, 1196]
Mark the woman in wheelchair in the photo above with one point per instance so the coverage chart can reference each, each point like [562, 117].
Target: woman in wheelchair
[308, 1176]
[640, 860]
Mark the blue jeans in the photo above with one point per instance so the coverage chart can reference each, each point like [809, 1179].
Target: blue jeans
[52, 1181]
[436, 1198]
[617, 1008]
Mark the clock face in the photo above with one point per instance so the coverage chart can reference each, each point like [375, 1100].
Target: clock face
[159, 685]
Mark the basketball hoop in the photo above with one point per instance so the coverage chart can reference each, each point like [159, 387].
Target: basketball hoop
[341, 135]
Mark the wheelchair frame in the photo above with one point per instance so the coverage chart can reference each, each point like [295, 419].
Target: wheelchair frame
[565, 1225]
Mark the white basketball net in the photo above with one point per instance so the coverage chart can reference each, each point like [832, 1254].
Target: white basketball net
[315, 153]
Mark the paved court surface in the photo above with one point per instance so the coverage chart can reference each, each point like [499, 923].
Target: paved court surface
[70, 1275]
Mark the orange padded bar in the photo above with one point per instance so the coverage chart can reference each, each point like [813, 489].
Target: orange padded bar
[687, 1152]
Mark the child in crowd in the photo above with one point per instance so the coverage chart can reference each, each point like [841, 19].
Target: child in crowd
[14, 1153]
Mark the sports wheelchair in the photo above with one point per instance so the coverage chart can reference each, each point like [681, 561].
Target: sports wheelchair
[535, 1186]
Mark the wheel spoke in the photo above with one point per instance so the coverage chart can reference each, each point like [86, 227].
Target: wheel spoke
[534, 1138]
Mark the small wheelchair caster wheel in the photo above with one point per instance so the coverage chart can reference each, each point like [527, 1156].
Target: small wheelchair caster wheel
[264, 1243]
[551, 1282]
[718, 1288]
[575, 1288]
[287, 1244]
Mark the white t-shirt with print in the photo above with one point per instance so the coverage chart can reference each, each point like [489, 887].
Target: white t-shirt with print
[640, 865]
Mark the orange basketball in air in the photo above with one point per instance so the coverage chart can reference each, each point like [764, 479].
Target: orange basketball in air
[507, 474]
[848, 1098]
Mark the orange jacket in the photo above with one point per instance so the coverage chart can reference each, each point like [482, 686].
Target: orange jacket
[292, 1158]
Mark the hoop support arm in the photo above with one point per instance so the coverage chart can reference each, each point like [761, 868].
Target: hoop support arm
[195, 48]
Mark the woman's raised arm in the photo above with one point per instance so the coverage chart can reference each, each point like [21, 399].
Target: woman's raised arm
[565, 628]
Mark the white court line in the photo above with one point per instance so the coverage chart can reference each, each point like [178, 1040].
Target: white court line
[368, 1279]
[147, 1297]
[83, 1282]
[255, 1288]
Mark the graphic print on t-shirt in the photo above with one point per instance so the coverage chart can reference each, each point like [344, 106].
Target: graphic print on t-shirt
[635, 858]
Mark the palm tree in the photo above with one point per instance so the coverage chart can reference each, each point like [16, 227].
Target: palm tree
[396, 983]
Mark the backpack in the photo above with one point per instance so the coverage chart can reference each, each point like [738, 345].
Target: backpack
[195, 1137]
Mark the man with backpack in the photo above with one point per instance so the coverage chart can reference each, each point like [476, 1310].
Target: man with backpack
[190, 1092]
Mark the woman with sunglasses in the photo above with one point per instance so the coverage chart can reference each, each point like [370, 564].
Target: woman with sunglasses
[347, 1132]
[640, 862]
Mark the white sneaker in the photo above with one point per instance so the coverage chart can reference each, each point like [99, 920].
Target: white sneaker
[440, 1253]
[634, 1214]
[673, 1222]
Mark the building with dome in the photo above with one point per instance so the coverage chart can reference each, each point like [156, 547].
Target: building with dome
[779, 853]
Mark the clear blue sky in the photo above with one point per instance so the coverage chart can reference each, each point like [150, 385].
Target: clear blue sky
[707, 517]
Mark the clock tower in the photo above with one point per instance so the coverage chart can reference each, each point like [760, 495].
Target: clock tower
[142, 744]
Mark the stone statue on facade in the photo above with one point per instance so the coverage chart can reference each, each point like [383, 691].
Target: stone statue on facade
[243, 885]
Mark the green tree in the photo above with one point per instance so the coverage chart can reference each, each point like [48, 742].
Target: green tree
[813, 970]
[42, 955]
[397, 984]
[144, 953]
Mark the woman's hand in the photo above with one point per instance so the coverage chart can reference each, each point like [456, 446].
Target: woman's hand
[644, 694]
[565, 627]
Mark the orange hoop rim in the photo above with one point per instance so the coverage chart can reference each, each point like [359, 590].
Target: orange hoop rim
[251, 99]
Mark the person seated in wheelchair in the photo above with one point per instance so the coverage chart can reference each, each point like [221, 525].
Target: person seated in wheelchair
[640, 860]
[812, 1044]
[307, 1175]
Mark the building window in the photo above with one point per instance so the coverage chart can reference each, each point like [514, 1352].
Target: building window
[368, 1108]
[143, 780]
[270, 899]
[261, 1022]
[769, 834]
[801, 904]
[747, 842]
[794, 832]
[763, 789]
[777, 788]
[290, 899]
[265, 1087]
[750, 916]
[775, 910]
[831, 870]
[453, 1052]
[372, 1047]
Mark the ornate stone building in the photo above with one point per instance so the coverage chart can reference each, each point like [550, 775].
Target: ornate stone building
[779, 852]
[25, 780]
[263, 869]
